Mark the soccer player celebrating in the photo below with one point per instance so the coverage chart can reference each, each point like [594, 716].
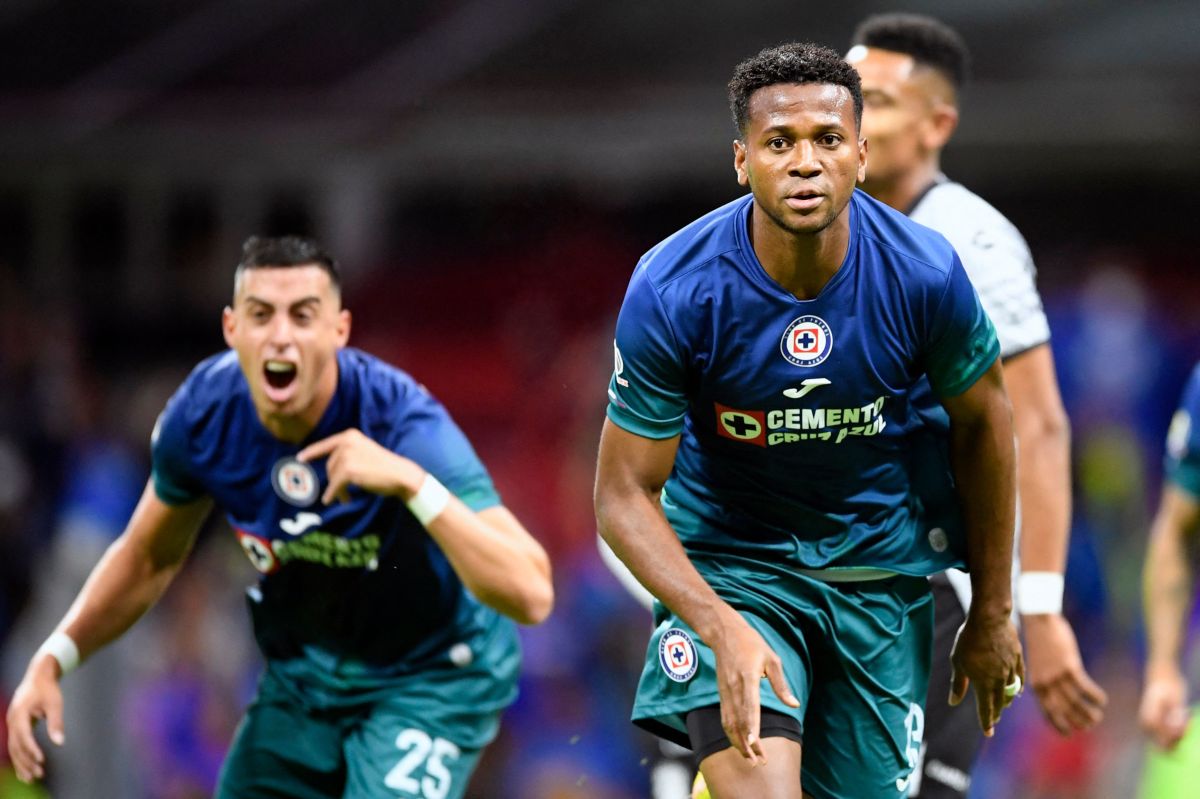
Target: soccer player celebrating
[754, 472]
[388, 563]
[1168, 580]
[912, 69]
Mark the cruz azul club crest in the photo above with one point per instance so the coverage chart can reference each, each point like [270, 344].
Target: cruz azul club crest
[807, 341]
[295, 482]
[677, 654]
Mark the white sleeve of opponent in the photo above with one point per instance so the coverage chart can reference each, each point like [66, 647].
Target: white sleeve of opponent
[622, 573]
[996, 258]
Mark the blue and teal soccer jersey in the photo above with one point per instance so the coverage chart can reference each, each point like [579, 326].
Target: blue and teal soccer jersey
[354, 598]
[794, 415]
[1183, 439]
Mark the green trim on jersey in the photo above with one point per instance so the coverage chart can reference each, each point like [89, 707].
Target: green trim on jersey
[955, 365]
[627, 420]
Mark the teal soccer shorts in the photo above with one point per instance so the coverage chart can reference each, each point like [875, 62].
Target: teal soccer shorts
[856, 654]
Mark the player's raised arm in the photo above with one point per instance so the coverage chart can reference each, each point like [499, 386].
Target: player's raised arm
[1167, 581]
[127, 581]
[629, 476]
[988, 652]
[496, 558]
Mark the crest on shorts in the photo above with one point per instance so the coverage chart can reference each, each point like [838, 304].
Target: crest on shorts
[295, 482]
[807, 341]
[677, 654]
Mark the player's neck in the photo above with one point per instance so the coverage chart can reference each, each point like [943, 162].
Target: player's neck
[291, 429]
[800, 263]
[903, 192]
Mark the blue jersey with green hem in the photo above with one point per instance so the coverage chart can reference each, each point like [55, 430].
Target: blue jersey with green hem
[1182, 466]
[353, 597]
[794, 415]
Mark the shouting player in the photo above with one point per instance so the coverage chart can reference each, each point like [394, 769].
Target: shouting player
[912, 69]
[388, 564]
[754, 473]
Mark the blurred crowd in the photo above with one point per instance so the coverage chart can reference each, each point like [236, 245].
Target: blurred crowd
[509, 322]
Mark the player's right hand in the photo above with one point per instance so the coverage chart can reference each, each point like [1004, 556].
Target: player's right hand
[987, 652]
[743, 658]
[37, 697]
[1163, 713]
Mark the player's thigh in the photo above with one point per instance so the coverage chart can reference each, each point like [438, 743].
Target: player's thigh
[281, 750]
[731, 776]
[680, 671]
[952, 734]
[395, 752]
[865, 719]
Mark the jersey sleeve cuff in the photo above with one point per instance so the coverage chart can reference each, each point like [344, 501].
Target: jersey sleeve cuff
[627, 420]
[172, 494]
[970, 372]
[1186, 477]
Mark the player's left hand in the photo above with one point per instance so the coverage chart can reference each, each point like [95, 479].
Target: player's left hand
[987, 652]
[354, 459]
[1070, 699]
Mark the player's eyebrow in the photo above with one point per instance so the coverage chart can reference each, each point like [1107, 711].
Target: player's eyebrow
[312, 299]
[830, 122]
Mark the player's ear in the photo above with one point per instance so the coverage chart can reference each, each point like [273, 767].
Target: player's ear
[940, 126]
[862, 160]
[228, 325]
[739, 163]
[343, 327]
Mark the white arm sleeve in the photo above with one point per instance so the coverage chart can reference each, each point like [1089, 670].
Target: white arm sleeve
[997, 260]
[622, 573]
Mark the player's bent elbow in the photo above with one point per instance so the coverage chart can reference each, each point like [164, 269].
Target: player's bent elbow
[538, 604]
[528, 604]
[538, 599]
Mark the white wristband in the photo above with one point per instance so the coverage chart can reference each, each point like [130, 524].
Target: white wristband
[60, 647]
[429, 501]
[1039, 592]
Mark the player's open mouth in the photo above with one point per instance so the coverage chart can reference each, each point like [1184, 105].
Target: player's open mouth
[279, 374]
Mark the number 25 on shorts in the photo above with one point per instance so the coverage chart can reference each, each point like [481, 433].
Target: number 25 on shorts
[422, 753]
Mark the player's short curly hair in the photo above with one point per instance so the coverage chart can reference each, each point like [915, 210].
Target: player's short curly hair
[798, 62]
[931, 43]
[279, 251]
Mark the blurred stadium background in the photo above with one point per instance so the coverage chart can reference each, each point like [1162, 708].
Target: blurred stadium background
[488, 172]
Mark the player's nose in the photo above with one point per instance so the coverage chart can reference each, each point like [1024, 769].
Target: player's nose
[280, 333]
[804, 161]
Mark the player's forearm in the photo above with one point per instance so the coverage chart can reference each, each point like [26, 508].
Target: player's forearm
[1044, 478]
[1167, 591]
[631, 521]
[121, 588]
[497, 560]
[984, 470]
[134, 571]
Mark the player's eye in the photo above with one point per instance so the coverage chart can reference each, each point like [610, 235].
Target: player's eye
[830, 140]
[778, 143]
[260, 314]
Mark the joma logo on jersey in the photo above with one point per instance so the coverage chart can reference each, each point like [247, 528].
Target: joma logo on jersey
[807, 341]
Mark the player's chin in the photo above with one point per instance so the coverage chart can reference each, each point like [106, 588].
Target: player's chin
[809, 224]
[278, 401]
